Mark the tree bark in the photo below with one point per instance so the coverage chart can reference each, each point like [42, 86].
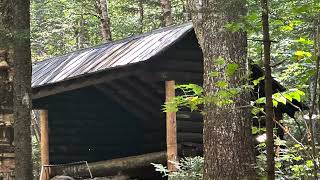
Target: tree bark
[141, 14]
[6, 91]
[314, 93]
[166, 12]
[228, 146]
[268, 91]
[22, 90]
[102, 10]
[186, 11]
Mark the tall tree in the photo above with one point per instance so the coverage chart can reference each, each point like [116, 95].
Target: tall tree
[22, 90]
[15, 79]
[141, 14]
[166, 12]
[228, 148]
[6, 74]
[102, 10]
[268, 90]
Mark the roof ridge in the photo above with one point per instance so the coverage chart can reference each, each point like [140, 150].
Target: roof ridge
[133, 37]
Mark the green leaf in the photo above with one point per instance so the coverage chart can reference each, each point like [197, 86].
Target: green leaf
[256, 110]
[297, 146]
[296, 94]
[278, 165]
[288, 97]
[305, 41]
[280, 98]
[231, 69]
[261, 100]
[256, 130]
[275, 103]
[297, 158]
[309, 163]
[222, 84]
[288, 27]
[214, 74]
[219, 61]
[257, 81]
[234, 91]
[302, 54]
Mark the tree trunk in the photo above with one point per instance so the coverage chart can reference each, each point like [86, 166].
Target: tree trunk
[228, 146]
[22, 90]
[141, 15]
[186, 11]
[166, 12]
[6, 91]
[268, 90]
[314, 92]
[102, 10]
[80, 33]
[133, 166]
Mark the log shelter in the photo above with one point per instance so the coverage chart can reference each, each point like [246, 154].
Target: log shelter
[105, 102]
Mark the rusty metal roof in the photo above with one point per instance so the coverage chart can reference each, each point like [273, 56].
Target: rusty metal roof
[105, 56]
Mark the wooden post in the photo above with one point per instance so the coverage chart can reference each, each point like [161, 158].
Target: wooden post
[44, 143]
[172, 150]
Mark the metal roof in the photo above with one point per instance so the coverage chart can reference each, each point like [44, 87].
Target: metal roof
[109, 55]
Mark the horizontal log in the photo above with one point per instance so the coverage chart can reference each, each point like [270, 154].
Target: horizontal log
[126, 166]
[187, 149]
[6, 148]
[190, 137]
[189, 116]
[180, 65]
[189, 126]
[103, 147]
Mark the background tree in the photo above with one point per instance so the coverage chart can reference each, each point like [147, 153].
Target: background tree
[166, 12]
[6, 76]
[63, 26]
[15, 79]
[228, 148]
[268, 90]
[102, 10]
[22, 90]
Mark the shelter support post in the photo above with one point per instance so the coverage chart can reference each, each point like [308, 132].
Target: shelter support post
[44, 144]
[171, 122]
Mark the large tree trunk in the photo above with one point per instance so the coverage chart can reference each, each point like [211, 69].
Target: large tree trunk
[228, 146]
[166, 12]
[102, 10]
[6, 91]
[15, 87]
[22, 90]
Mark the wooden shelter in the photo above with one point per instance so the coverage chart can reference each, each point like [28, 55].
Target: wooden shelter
[105, 102]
